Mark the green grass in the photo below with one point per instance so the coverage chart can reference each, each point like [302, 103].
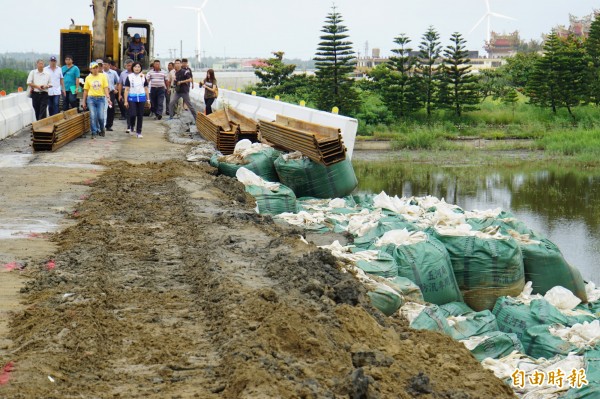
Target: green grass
[580, 142]
[524, 121]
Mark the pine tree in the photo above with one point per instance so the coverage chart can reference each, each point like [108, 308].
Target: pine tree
[460, 83]
[400, 92]
[542, 87]
[427, 71]
[334, 63]
[592, 47]
[560, 77]
[273, 74]
[511, 98]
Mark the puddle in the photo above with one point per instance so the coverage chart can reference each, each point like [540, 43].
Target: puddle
[24, 228]
[69, 165]
[15, 160]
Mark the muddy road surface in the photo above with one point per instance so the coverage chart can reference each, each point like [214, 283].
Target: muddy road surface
[161, 282]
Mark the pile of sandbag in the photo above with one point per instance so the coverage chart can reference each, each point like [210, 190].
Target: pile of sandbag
[311, 179]
[490, 253]
[271, 198]
[256, 157]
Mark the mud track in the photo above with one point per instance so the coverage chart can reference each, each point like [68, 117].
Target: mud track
[170, 286]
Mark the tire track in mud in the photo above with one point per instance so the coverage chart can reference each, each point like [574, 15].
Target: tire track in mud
[171, 286]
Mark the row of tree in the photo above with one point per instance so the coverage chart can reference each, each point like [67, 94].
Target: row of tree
[565, 75]
[11, 80]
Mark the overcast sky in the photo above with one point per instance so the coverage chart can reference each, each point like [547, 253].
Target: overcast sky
[254, 28]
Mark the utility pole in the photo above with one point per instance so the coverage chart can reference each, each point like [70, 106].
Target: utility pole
[181, 49]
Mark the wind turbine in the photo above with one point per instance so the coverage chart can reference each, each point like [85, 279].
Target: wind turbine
[201, 18]
[488, 15]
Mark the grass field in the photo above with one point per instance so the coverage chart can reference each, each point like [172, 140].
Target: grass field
[540, 130]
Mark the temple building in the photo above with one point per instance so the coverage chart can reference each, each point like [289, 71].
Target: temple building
[502, 45]
[579, 27]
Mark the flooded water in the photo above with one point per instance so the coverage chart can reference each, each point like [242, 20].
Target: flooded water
[561, 203]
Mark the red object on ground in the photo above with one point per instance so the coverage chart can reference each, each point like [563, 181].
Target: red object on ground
[5, 373]
[50, 265]
[9, 267]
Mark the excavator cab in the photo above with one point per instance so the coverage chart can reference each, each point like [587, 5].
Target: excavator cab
[137, 34]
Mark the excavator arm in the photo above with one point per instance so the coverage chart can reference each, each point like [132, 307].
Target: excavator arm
[105, 28]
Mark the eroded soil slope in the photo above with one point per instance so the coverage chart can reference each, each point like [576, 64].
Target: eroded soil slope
[170, 286]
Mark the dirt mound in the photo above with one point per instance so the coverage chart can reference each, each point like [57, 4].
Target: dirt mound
[170, 285]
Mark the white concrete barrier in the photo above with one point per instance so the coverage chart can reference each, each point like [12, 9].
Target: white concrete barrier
[3, 129]
[260, 108]
[16, 112]
[26, 108]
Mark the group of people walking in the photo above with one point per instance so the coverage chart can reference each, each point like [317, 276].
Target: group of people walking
[106, 87]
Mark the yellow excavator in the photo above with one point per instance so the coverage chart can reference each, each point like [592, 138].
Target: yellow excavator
[108, 39]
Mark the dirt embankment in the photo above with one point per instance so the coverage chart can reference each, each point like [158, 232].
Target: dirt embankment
[170, 286]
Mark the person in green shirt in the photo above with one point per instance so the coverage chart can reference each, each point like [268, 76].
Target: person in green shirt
[71, 76]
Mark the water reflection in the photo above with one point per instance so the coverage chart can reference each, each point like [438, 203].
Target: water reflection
[561, 203]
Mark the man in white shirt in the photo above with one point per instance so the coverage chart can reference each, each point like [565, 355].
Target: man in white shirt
[113, 81]
[39, 82]
[57, 87]
[170, 77]
[121, 91]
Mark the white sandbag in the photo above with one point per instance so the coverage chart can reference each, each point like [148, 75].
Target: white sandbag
[303, 218]
[337, 203]
[485, 214]
[395, 204]
[345, 252]
[592, 292]
[242, 145]
[562, 298]
[411, 310]
[582, 335]
[249, 178]
[401, 237]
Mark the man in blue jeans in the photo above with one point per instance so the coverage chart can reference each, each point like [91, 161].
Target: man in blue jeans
[71, 76]
[57, 86]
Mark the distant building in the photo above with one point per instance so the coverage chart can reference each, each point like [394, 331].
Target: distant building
[578, 27]
[238, 64]
[365, 64]
[502, 45]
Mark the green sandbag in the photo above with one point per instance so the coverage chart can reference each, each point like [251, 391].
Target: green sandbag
[546, 268]
[383, 266]
[505, 221]
[435, 318]
[214, 161]
[383, 226]
[590, 391]
[485, 269]
[456, 308]
[515, 317]
[364, 200]
[432, 318]
[310, 179]
[592, 307]
[540, 343]
[260, 163]
[497, 345]
[474, 324]
[409, 290]
[591, 360]
[273, 202]
[386, 300]
[427, 264]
